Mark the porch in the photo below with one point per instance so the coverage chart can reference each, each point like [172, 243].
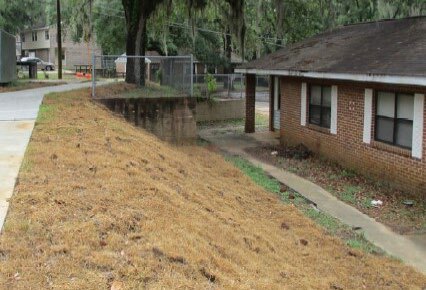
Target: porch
[274, 98]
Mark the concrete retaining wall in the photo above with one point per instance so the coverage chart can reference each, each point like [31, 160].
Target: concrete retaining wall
[222, 109]
[170, 119]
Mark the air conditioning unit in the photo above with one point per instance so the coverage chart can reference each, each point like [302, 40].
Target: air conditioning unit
[7, 57]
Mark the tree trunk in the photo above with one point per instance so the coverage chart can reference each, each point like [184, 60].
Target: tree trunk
[280, 8]
[228, 55]
[135, 46]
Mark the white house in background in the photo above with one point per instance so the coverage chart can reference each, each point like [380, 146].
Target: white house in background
[152, 64]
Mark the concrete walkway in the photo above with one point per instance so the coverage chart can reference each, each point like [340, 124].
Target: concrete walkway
[18, 111]
[394, 244]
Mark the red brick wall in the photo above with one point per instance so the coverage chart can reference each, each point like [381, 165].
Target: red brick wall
[376, 160]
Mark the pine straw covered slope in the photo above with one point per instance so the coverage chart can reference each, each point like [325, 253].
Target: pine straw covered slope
[101, 202]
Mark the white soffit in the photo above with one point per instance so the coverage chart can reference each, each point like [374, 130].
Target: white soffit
[385, 79]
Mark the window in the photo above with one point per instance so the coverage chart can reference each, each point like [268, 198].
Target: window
[394, 118]
[320, 105]
[46, 35]
[34, 36]
[23, 38]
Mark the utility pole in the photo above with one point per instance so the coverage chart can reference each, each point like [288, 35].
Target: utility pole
[92, 42]
[59, 37]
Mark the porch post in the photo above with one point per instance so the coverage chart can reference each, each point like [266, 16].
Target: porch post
[271, 103]
[250, 103]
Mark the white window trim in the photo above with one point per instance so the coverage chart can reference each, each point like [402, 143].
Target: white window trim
[333, 121]
[418, 121]
[303, 108]
[368, 115]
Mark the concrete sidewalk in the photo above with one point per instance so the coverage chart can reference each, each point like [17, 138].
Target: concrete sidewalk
[18, 111]
[394, 244]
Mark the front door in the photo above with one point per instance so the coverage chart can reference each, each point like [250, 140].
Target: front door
[277, 103]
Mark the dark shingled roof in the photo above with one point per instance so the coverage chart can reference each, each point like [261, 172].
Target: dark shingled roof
[388, 47]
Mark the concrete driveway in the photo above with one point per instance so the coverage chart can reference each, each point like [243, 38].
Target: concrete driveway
[18, 111]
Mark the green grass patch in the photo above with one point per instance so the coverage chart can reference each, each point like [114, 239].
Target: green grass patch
[349, 194]
[326, 221]
[46, 113]
[256, 174]
[261, 120]
[332, 225]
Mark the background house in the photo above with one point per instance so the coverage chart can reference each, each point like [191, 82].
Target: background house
[201, 68]
[355, 95]
[42, 42]
[152, 64]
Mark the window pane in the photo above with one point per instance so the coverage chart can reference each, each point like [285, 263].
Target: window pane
[315, 95]
[384, 129]
[386, 104]
[326, 96]
[405, 106]
[326, 117]
[404, 134]
[315, 115]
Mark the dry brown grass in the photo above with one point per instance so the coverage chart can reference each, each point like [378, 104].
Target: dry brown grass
[101, 202]
[19, 86]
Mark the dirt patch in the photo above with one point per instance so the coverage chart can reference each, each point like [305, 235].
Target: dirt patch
[105, 204]
[350, 187]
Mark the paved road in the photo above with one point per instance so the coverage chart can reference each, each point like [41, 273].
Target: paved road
[18, 111]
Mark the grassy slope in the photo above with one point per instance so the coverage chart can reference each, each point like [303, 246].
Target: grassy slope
[100, 201]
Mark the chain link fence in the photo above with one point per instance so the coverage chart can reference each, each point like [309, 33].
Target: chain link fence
[225, 86]
[228, 86]
[164, 75]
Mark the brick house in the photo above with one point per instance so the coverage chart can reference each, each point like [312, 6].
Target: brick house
[355, 95]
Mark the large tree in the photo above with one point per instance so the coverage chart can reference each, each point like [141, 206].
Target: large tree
[137, 13]
[17, 15]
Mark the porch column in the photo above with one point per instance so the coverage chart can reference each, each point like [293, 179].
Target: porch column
[250, 103]
[271, 103]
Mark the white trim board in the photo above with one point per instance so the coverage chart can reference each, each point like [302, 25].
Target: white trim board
[333, 121]
[385, 79]
[303, 106]
[368, 115]
[419, 103]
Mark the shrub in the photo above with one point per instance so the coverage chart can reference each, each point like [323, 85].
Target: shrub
[211, 84]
